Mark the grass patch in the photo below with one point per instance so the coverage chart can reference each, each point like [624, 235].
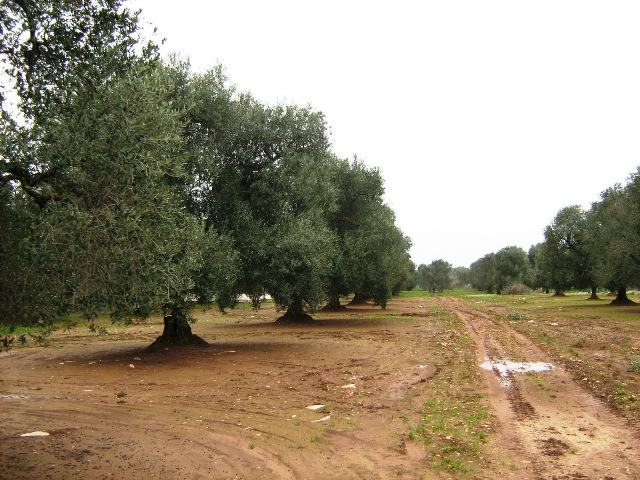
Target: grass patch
[415, 293]
[624, 396]
[454, 423]
[17, 330]
[518, 315]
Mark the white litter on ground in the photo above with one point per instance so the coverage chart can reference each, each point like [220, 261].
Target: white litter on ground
[315, 408]
[35, 434]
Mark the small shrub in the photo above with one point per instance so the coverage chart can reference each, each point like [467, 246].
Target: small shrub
[43, 334]
[99, 329]
[7, 342]
[517, 315]
[634, 364]
[68, 325]
[516, 289]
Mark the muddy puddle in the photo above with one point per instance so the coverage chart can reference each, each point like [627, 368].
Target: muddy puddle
[505, 368]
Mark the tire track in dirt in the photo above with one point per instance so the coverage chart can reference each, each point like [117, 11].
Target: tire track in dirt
[84, 445]
[549, 427]
[236, 409]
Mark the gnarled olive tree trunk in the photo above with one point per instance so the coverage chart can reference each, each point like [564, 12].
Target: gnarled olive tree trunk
[177, 332]
[359, 299]
[621, 298]
[295, 313]
[333, 304]
[594, 293]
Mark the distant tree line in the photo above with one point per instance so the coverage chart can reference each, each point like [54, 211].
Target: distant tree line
[582, 249]
[129, 185]
[438, 276]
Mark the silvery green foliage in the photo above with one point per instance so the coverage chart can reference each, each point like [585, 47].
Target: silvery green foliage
[301, 249]
[112, 234]
[89, 156]
[261, 188]
[51, 49]
[116, 230]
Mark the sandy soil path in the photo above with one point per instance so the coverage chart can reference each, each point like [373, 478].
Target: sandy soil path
[550, 426]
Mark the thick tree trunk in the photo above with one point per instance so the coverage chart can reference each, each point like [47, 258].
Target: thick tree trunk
[622, 299]
[359, 299]
[256, 301]
[558, 293]
[295, 313]
[594, 294]
[333, 304]
[177, 332]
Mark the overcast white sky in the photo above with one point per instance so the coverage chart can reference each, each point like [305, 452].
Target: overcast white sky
[484, 117]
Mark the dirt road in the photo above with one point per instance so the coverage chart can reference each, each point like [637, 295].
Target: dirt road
[555, 428]
[395, 394]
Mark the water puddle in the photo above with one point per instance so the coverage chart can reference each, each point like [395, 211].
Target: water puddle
[506, 367]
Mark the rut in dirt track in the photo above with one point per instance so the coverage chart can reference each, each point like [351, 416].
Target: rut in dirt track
[548, 425]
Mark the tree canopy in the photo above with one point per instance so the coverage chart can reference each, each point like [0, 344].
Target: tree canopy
[130, 185]
[90, 151]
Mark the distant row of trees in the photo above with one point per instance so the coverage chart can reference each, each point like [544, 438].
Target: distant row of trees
[130, 186]
[582, 249]
[438, 276]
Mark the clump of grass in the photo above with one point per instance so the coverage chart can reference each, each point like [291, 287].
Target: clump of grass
[580, 342]
[624, 396]
[634, 364]
[518, 315]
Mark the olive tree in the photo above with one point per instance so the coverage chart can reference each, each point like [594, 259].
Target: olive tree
[482, 273]
[92, 161]
[511, 266]
[359, 191]
[567, 251]
[378, 263]
[261, 180]
[436, 276]
[615, 239]
[495, 271]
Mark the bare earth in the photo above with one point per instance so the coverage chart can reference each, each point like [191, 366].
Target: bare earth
[238, 408]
